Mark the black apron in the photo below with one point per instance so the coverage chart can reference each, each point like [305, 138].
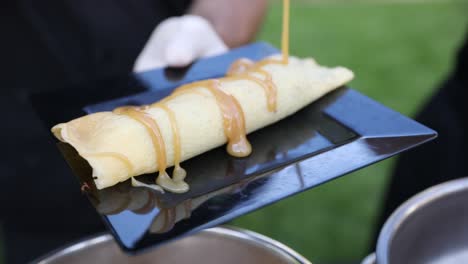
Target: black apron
[55, 45]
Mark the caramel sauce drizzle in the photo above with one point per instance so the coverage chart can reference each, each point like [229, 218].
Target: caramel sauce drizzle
[285, 33]
[152, 127]
[138, 114]
[233, 116]
[270, 90]
[242, 67]
[179, 173]
[269, 61]
[173, 95]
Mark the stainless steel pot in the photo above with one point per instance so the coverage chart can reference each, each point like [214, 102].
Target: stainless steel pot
[430, 228]
[215, 245]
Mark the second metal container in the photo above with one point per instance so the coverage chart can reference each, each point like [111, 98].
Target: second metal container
[431, 228]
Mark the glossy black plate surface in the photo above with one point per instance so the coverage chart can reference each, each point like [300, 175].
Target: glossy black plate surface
[340, 133]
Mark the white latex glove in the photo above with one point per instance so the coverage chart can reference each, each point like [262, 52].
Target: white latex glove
[177, 42]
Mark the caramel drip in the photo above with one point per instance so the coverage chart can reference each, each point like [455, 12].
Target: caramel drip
[271, 90]
[152, 127]
[240, 66]
[233, 117]
[285, 33]
[124, 159]
[173, 95]
[121, 110]
[163, 179]
[269, 61]
[240, 70]
[266, 85]
[188, 88]
[175, 132]
[179, 173]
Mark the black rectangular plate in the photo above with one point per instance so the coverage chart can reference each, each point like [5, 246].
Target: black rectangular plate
[340, 133]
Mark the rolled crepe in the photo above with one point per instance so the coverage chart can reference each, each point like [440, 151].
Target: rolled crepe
[198, 118]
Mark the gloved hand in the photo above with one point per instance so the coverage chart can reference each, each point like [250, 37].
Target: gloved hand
[178, 41]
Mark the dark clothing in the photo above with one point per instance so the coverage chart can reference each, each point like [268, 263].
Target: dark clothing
[90, 39]
[442, 159]
[53, 45]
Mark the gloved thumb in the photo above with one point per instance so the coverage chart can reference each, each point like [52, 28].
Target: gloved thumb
[195, 38]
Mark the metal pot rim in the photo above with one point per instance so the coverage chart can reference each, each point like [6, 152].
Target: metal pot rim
[223, 230]
[408, 208]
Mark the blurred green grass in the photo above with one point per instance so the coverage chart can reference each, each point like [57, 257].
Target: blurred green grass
[399, 52]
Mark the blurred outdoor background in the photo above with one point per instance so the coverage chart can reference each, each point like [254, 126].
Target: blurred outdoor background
[400, 51]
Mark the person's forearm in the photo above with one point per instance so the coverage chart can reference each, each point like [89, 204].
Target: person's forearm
[236, 21]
